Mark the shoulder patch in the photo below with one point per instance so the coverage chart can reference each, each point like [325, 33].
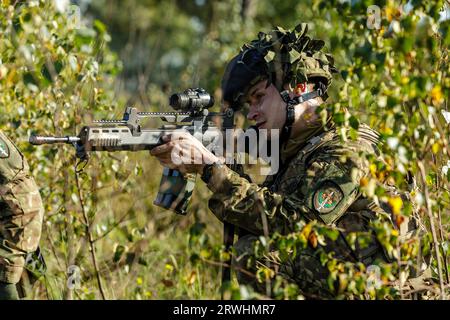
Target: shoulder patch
[327, 197]
[4, 150]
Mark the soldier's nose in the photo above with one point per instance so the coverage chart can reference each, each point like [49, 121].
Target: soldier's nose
[252, 114]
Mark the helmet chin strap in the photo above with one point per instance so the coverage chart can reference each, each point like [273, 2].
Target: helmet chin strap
[290, 108]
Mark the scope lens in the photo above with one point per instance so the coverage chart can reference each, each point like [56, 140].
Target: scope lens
[210, 101]
[191, 99]
[179, 101]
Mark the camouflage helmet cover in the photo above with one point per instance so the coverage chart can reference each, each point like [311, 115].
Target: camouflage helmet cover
[282, 57]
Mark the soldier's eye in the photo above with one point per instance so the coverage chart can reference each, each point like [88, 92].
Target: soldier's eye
[258, 95]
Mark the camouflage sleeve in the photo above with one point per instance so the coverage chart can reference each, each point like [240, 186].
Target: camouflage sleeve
[21, 212]
[324, 191]
[332, 179]
[245, 204]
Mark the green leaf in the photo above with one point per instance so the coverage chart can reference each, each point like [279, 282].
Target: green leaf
[120, 249]
[99, 26]
[339, 118]
[354, 122]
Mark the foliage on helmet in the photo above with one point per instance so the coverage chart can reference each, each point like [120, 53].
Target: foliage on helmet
[293, 57]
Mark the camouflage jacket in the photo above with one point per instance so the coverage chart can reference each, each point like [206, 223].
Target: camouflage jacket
[318, 180]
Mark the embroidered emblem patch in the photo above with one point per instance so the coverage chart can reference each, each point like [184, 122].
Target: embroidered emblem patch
[327, 197]
[4, 150]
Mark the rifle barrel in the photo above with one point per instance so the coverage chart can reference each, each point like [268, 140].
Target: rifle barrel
[38, 140]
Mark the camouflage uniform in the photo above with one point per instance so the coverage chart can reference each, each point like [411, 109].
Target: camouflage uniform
[313, 165]
[320, 174]
[21, 212]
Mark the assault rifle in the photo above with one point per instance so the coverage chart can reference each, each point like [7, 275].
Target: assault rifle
[191, 114]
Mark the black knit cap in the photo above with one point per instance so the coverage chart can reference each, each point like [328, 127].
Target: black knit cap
[242, 72]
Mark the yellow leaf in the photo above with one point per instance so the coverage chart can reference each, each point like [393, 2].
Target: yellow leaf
[169, 267]
[224, 256]
[392, 12]
[373, 169]
[386, 130]
[436, 95]
[306, 230]
[436, 147]
[396, 204]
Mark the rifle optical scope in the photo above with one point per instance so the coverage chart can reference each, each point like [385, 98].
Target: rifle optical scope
[191, 100]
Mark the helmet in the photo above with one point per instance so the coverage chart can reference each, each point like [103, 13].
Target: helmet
[282, 57]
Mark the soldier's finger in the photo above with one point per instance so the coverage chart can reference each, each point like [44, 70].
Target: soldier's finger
[161, 157]
[180, 135]
[160, 149]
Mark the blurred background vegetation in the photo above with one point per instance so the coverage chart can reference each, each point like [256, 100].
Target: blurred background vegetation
[64, 63]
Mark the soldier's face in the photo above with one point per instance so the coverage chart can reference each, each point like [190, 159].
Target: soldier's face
[266, 107]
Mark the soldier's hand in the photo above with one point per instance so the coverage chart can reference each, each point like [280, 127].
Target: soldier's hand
[184, 153]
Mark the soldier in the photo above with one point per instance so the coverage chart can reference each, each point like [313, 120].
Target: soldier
[21, 214]
[283, 77]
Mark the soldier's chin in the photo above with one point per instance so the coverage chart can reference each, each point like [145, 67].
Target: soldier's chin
[270, 133]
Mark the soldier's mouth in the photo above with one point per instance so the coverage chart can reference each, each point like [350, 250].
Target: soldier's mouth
[258, 125]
